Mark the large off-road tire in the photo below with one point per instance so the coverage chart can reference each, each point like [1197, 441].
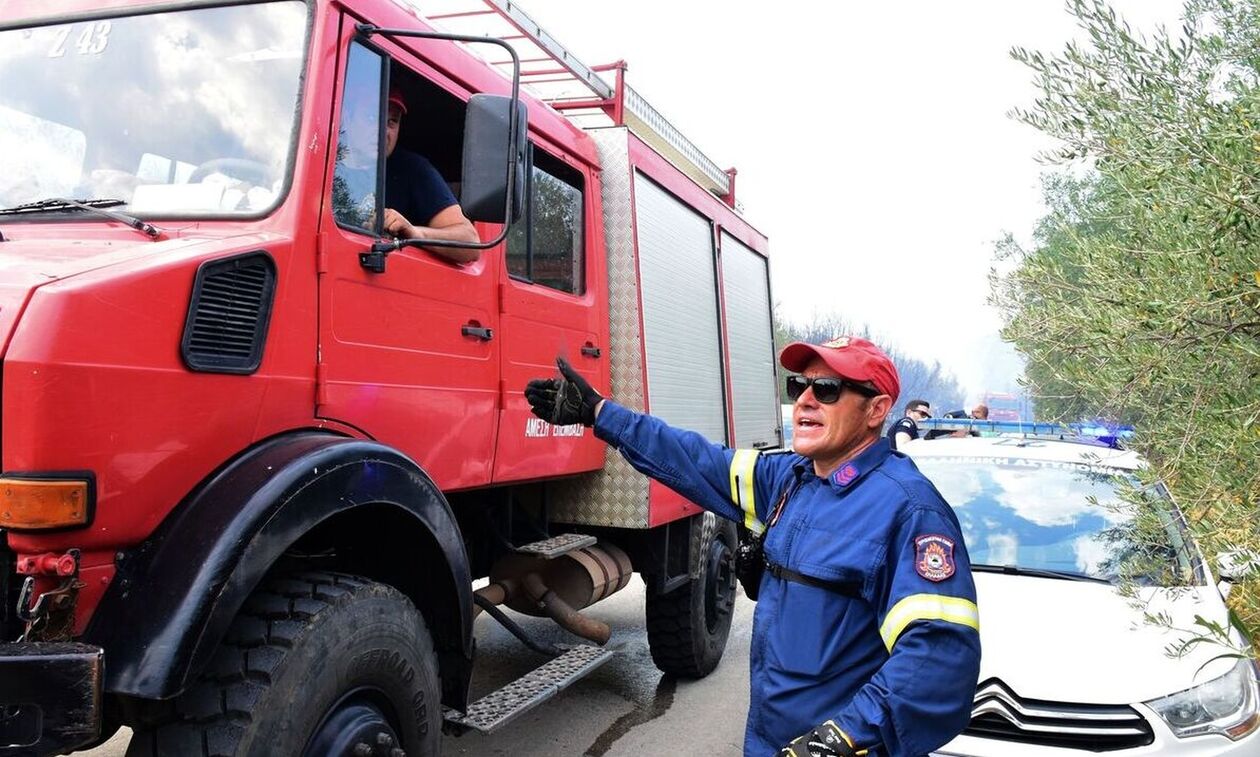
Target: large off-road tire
[687, 628]
[316, 663]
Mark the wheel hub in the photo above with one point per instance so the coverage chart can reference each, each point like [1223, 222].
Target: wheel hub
[356, 726]
[719, 584]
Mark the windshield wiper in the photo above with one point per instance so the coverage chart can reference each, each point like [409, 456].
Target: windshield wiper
[92, 206]
[1015, 570]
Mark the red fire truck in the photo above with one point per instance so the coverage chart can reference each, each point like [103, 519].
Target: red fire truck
[262, 466]
[1003, 406]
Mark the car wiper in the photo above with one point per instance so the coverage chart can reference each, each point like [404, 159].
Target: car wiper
[1015, 570]
[97, 206]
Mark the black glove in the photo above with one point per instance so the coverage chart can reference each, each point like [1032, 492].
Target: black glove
[827, 740]
[563, 401]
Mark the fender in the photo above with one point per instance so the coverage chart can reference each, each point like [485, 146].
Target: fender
[169, 606]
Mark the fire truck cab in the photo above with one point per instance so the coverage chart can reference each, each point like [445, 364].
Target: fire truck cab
[255, 452]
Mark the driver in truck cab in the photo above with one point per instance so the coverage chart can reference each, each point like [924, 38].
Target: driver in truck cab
[419, 204]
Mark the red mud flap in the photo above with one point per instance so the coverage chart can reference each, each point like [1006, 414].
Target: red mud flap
[50, 697]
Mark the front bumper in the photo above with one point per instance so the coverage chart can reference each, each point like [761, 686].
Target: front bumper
[50, 697]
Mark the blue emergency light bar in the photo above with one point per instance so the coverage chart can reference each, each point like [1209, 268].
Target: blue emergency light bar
[1093, 433]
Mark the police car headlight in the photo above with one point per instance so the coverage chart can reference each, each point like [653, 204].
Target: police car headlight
[1229, 705]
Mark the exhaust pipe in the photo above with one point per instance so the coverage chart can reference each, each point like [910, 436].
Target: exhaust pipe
[558, 588]
[565, 616]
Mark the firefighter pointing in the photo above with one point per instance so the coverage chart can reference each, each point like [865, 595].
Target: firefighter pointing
[865, 637]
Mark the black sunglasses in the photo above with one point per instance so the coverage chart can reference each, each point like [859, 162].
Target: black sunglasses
[826, 390]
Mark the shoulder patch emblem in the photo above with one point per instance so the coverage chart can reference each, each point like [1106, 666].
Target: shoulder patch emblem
[934, 557]
[846, 474]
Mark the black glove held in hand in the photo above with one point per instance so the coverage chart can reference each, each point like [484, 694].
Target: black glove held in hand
[827, 740]
[563, 401]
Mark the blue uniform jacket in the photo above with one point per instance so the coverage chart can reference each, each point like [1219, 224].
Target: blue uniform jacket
[897, 669]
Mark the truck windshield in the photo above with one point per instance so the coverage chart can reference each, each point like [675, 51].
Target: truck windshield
[185, 113]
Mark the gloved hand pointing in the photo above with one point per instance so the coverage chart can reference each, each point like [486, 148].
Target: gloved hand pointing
[563, 401]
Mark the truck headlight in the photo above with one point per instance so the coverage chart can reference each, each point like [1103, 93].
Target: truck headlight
[1225, 705]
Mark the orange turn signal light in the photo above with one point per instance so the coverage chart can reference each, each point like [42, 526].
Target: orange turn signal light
[34, 502]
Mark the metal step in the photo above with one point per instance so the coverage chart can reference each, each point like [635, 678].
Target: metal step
[557, 545]
[501, 707]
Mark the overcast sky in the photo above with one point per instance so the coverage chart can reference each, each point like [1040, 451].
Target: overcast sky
[871, 139]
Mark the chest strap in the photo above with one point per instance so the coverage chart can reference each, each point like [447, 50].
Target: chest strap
[851, 589]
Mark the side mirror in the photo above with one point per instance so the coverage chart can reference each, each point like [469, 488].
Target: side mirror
[1234, 566]
[487, 156]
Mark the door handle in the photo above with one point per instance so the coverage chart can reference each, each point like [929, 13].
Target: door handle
[590, 350]
[478, 332]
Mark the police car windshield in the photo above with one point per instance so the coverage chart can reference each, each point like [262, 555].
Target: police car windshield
[185, 113]
[1066, 518]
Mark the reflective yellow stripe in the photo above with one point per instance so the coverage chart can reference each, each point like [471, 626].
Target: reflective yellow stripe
[742, 493]
[927, 607]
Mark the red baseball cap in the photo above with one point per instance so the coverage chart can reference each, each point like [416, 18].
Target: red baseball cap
[396, 99]
[852, 357]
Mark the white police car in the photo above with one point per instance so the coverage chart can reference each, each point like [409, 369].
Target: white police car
[1069, 666]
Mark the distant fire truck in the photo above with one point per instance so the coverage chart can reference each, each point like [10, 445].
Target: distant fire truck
[1004, 407]
[255, 454]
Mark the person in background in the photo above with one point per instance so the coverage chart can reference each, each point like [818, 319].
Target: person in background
[908, 427]
[418, 203]
[979, 413]
[866, 636]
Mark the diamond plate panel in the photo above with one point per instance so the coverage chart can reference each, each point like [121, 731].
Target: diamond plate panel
[617, 495]
[557, 545]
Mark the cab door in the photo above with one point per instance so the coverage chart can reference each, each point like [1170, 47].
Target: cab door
[550, 307]
[408, 355]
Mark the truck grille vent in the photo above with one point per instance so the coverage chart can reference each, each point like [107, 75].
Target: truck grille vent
[999, 714]
[228, 315]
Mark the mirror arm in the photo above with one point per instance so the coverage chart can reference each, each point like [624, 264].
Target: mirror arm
[381, 248]
[390, 245]
[374, 259]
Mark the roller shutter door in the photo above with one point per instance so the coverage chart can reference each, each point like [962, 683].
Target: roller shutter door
[681, 340]
[746, 286]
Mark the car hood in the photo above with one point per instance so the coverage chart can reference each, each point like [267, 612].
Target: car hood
[1076, 641]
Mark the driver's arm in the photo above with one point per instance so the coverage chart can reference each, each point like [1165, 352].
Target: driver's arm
[449, 224]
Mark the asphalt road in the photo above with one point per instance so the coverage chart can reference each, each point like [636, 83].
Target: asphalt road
[625, 708]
